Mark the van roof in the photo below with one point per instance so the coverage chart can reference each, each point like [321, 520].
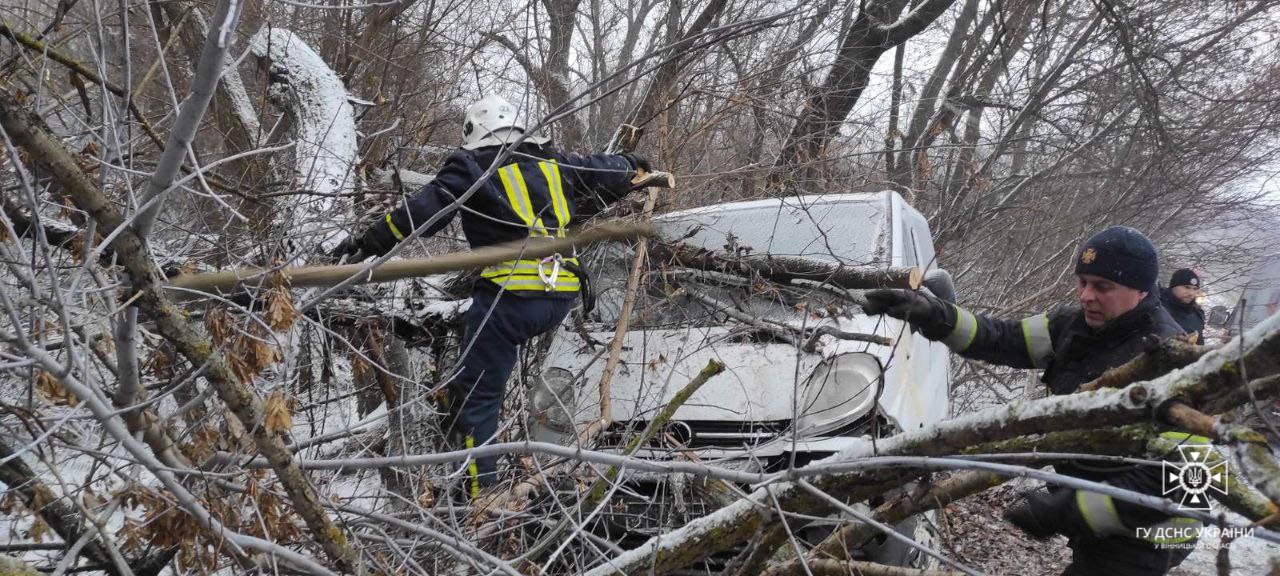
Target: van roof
[806, 200]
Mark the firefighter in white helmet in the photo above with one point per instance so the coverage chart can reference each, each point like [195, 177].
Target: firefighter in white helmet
[535, 194]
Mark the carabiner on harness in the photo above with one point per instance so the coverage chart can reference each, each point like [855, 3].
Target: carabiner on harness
[549, 280]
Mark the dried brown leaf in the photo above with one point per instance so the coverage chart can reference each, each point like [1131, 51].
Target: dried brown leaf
[277, 417]
[78, 249]
[220, 324]
[241, 367]
[38, 530]
[52, 388]
[280, 313]
[9, 503]
[160, 364]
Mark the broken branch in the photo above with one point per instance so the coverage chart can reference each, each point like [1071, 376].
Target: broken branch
[400, 269]
[787, 268]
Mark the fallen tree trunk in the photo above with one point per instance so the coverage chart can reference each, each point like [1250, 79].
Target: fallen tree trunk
[787, 268]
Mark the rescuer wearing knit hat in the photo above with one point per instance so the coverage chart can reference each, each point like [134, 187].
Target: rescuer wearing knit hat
[1180, 299]
[1116, 270]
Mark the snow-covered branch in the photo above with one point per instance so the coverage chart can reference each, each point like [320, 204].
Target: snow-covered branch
[324, 127]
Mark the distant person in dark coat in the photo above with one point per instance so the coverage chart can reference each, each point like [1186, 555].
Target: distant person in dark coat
[1180, 300]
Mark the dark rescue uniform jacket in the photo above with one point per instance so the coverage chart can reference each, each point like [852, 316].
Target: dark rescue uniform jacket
[1189, 316]
[1071, 353]
[537, 193]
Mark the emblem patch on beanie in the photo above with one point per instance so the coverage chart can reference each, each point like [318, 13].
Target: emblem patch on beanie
[1089, 256]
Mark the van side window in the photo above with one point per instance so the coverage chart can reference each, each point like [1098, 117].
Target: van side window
[921, 242]
[912, 257]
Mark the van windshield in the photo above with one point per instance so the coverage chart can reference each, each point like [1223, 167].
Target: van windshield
[848, 233]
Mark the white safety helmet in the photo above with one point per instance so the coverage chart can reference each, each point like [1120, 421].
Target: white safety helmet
[493, 121]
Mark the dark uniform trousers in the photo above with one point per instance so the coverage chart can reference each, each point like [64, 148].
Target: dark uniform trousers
[498, 323]
[1101, 530]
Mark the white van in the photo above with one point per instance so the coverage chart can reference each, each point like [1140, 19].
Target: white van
[778, 403]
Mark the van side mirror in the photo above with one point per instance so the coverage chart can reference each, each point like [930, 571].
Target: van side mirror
[1218, 316]
[939, 283]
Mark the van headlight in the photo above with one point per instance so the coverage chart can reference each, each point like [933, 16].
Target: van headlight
[840, 390]
[554, 399]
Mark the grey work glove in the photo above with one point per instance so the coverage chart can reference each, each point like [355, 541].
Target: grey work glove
[934, 318]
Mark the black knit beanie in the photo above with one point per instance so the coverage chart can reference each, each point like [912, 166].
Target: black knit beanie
[1185, 277]
[1122, 255]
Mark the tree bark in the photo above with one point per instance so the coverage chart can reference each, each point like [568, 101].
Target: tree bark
[828, 105]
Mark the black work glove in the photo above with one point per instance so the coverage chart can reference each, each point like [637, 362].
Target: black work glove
[357, 247]
[1043, 513]
[934, 318]
[638, 161]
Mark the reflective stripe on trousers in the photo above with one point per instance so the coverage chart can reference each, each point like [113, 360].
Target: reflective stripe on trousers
[473, 470]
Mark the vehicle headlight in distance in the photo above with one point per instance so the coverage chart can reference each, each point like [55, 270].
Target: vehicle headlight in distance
[554, 399]
[840, 390]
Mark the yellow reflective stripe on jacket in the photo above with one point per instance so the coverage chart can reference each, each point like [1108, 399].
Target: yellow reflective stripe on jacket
[965, 331]
[551, 171]
[524, 266]
[1035, 331]
[534, 283]
[473, 470]
[523, 275]
[394, 231]
[1099, 512]
[518, 196]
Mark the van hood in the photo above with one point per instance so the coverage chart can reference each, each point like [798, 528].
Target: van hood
[760, 383]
